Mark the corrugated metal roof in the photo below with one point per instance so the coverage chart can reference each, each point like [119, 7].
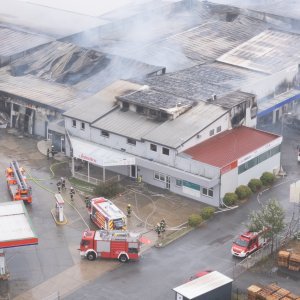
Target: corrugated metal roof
[202, 285]
[286, 8]
[268, 52]
[15, 40]
[230, 145]
[84, 69]
[201, 82]
[206, 42]
[185, 126]
[41, 92]
[101, 103]
[128, 124]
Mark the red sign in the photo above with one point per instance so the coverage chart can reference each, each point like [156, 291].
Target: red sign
[85, 157]
[229, 167]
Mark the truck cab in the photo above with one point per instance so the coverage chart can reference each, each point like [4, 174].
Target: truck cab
[245, 244]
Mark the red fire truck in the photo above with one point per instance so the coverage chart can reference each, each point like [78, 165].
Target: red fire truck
[106, 215]
[119, 244]
[247, 243]
[16, 183]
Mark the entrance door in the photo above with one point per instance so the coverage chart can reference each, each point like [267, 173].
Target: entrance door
[277, 116]
[168, 182]
[133, 171]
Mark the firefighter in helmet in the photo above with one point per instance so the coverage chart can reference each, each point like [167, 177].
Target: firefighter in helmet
[128, 210]
[157, 229]
[72, 193]
[163, 225]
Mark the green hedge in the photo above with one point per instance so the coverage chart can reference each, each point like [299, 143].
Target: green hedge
[108, 189]
[267, 178]
[207, 212]
[195, 220]
[230, 199]
[243, 192]
[255, 185]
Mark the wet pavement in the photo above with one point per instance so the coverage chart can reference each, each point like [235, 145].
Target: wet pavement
[53, 268]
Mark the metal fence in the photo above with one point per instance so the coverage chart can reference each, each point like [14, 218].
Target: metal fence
[93, 180]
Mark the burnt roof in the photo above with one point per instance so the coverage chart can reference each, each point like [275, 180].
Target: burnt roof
[84, 69]
[200, 83]
[153, 99]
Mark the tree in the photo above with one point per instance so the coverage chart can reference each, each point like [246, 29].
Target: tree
[270, 217]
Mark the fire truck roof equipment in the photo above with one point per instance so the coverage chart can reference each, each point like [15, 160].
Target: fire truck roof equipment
[15, 226]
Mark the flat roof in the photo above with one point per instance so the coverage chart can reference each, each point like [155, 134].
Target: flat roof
[202, 285]
[268, 52]
[15, 226]
[94, 107]
[230, 145]
[54, 22]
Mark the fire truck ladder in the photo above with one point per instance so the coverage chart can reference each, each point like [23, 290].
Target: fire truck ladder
[18, 175]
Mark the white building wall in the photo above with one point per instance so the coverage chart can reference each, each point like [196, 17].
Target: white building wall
[77, 131]
[266, 86]
[270, 165]
[229, 182]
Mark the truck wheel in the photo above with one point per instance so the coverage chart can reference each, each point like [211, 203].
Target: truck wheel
[91, 256]
[123, 258]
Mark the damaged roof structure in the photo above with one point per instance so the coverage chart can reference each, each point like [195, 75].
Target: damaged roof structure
[84, 69]
[15, 43]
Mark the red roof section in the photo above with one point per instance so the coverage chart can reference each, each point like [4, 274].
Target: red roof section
[230, 145]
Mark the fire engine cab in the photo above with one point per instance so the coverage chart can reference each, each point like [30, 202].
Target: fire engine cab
[106, 215]
[247, 243]
[122, 245]
[16, 183]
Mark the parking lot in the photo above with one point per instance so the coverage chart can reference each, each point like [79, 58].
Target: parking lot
[54, 266]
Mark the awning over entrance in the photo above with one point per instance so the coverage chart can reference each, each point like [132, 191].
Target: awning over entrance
[99, 155]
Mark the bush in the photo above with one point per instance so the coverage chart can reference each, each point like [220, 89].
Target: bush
[243, 192]
[195, 220]
[255, 185]
[267, 178]
[230, 199]
[108, 189]
[207, 212]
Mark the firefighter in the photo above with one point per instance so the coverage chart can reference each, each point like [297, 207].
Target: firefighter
[52, 151]
[128, 210]
[48, 153]
[157, 229]
[58, 185]
[63, 183]
[72, 193]
[87, 202]
[162, 225]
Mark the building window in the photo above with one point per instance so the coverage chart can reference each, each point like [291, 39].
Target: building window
[208, 192]
[159, 176]
[219, 129]
[165, 151]
[211, 132]
[74, 123]
[131, 141]
[104, 133]
[178, 182]
[153, 147]
[82, 126]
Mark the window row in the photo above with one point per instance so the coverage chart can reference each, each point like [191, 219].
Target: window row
[212, 131]
[165, 151]
[204, 191]
[82, 125]
[258, 159]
